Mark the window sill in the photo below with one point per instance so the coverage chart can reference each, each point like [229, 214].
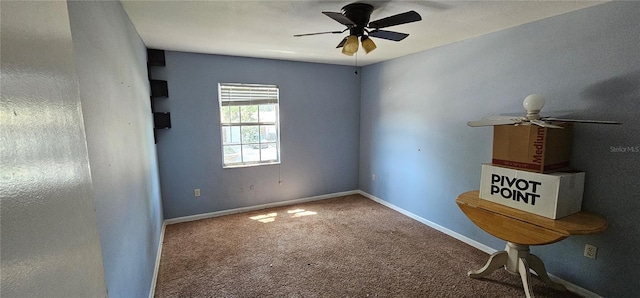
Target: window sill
[250, 165]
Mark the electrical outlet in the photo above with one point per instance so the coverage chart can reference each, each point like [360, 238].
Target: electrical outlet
[590, 251]
[373, 177]
[196, 192]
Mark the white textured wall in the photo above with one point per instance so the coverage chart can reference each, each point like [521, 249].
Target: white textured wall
[114, 87]
[50, 245]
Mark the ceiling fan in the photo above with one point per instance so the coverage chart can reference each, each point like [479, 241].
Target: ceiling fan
[356, 17]
[533, 104]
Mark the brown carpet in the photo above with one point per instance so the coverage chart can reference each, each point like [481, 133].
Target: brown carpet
[343, 247]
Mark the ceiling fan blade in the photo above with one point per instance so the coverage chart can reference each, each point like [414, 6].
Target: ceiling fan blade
[544, 124]
[340, 18]
[341, 44]
[504, 117]
[582, 121]
[318, 33]
[488, 122]
[402, 18]
[390, 35]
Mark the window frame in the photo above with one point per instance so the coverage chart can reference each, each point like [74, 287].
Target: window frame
[239, 95]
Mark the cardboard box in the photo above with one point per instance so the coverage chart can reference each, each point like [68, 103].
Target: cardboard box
[552, 195]
[531, 147]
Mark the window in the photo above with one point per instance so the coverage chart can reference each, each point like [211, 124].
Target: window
[249, 118]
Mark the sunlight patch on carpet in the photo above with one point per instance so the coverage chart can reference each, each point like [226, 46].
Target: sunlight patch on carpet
[303, 213]
[271, 217]
[265, 218]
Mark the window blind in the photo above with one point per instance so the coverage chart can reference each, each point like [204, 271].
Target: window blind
[247, 94]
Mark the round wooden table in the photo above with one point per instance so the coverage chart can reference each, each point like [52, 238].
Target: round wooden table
[521, 229]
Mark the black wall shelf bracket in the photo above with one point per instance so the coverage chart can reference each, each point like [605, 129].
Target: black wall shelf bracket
[155, 57]
[159, 89]
[161, 120]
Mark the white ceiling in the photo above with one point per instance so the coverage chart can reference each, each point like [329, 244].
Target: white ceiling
[265, 28]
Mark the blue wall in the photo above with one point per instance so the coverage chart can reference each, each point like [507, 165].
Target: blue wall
[111, 64]
[414, 137]
[319, 107]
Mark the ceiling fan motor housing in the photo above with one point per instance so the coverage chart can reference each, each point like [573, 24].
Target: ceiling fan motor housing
[359, 13]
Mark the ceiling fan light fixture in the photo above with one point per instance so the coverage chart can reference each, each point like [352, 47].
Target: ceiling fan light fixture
[533, 104]
[367, 44]
[351, 46]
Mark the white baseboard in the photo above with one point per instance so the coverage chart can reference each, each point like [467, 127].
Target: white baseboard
[154, 280]
[570, 287]
[257, 207]
[580, 291]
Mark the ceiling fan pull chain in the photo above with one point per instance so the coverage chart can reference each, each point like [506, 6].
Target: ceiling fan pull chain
[356, 72]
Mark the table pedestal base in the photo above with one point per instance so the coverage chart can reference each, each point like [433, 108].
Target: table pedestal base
[517, 260]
